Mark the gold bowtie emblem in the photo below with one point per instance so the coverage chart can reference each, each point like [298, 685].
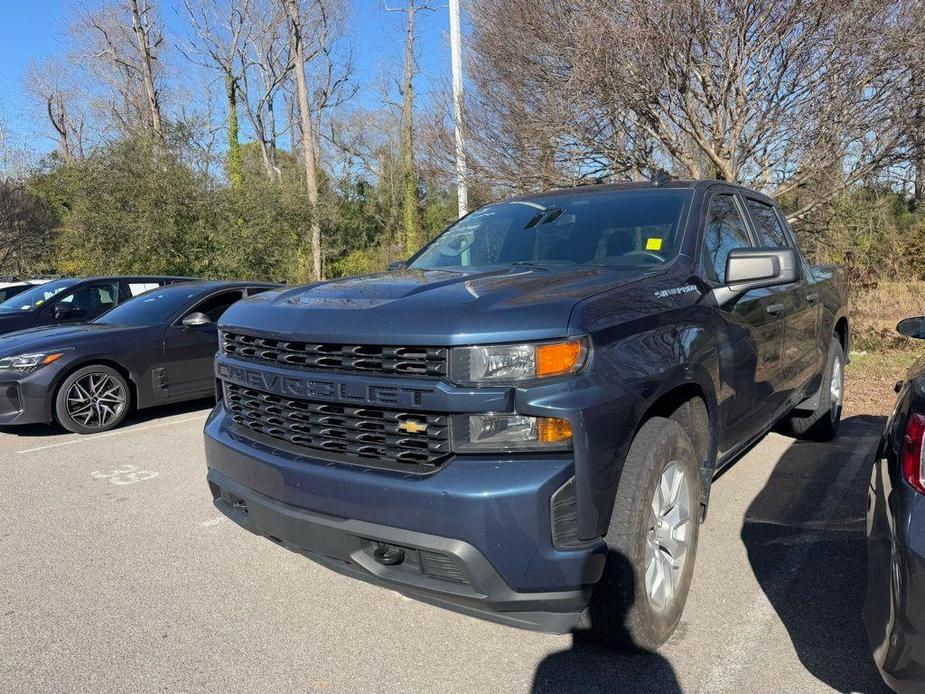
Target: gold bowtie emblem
[412, 426]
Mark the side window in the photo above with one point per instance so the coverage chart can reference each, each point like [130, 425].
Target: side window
[92, 297]
[254, 291]
[216, 305]
[767, 224]
[724, 231]
[136, 288]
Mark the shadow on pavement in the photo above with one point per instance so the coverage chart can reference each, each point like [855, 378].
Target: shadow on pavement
[134, 417]
[820, 605]
[590, 667]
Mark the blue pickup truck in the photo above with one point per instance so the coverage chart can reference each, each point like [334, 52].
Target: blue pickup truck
[522, 422]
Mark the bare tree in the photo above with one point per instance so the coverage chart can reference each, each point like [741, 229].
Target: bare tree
[411, 223]
[299, 25]
[269, 55]
[222, 35]
[776, 94]
[123, 39]
[51, 84]
[25, 229]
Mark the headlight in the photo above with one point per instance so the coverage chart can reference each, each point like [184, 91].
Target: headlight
[509, 432]
[524, 362]
[27, 362]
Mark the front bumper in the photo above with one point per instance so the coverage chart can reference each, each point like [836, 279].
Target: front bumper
[476, 535]
[25, 398]
[894, 610]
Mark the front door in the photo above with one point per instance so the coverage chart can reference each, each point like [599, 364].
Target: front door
[750, 331]
[189, 351]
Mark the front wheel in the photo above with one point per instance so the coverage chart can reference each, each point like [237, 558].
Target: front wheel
[92, 399]
[651, 540]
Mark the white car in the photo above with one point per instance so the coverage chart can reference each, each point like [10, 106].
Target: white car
[12, 286]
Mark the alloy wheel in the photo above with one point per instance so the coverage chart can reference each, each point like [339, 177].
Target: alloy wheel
[836, 388]
[95, 400]
[668, 537]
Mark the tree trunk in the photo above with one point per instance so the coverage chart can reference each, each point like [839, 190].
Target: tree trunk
[410, 221]
[305, 119]
[234, 146]
[140, 27]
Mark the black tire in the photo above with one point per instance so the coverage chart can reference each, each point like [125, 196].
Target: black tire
[103, 412]
[621, 612]
[822, 424]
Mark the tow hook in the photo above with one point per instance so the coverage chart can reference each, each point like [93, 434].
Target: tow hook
[389, 555]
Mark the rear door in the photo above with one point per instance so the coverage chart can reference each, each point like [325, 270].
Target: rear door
[189, 351]
[750, 331]
[801, 352]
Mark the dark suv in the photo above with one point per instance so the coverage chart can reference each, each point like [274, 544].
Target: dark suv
[72, 300]
[524, 420]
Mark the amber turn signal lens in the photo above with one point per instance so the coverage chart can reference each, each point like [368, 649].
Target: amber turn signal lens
[553, 430]
[51, 358]
[559, 358]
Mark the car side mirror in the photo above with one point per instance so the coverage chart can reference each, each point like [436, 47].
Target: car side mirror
[912, 327]
[755, 268]
[62, 312]
[397, 265]
[196, 319]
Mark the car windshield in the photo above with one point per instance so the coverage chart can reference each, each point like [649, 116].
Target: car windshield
[613, 228]
[152, 307]
[36, 297]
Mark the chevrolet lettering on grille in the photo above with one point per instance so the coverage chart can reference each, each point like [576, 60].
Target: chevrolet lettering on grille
[323, 389]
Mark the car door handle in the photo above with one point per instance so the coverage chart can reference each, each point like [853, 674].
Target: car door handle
[812, 298]
[775, 309]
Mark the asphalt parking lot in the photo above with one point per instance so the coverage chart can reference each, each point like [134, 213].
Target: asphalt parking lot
[117, 575]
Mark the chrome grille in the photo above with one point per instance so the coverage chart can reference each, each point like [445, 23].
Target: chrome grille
[410, 361]
[365, 435]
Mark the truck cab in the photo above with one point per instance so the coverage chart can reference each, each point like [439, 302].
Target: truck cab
[522, 422]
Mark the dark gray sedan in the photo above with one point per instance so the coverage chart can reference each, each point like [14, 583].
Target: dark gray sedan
[895, 607]
[154, 349]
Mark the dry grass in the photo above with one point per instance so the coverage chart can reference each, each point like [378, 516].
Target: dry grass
[880, 356]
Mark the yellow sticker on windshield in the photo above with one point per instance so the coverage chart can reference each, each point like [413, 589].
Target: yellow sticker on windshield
[653, 244]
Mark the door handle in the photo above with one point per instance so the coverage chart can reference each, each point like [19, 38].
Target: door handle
[775, 309]
[812, 298]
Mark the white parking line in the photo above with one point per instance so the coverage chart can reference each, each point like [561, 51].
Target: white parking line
[94, 437]
[760, 616]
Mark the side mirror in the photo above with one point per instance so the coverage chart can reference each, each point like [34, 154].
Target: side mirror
[397, 265]
[754, 268]
[62, 312]
[912, 327]
[195, 319]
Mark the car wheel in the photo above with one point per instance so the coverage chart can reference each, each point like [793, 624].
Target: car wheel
[92, 399]
[651, 540]
[822, 424]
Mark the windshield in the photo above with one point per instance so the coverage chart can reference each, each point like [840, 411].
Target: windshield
[150, 308]
[614, 228]
[36, 297]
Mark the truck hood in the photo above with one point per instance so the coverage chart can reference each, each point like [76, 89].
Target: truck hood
[429, 306]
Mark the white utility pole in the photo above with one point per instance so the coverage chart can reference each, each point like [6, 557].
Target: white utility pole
[456, 56]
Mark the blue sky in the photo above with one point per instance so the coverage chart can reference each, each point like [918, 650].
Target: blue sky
[30, 29]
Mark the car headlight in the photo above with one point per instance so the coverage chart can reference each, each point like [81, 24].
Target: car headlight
[27, 362]
[523, 362]
[509, 432]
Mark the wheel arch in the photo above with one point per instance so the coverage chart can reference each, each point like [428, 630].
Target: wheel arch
[692, 404]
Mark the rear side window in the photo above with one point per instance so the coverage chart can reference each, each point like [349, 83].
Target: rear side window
[725, 230]
[136, 288]
[767, 224]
